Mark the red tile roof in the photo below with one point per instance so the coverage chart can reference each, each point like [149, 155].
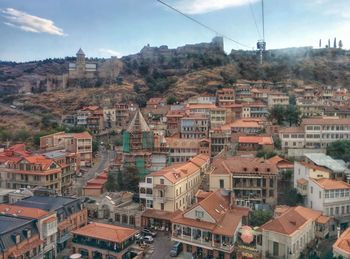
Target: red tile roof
[255, 140]
[292, 220]
[106, 232]
[330, 184]
[343, 242]
[20, 211]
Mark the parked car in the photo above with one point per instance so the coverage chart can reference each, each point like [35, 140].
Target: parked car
[147, 239]
[138, 236]
[148, 232]
[176, 249]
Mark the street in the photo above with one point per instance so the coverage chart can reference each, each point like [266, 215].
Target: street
[100, 164]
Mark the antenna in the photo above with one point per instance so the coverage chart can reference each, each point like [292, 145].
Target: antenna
[261, 45]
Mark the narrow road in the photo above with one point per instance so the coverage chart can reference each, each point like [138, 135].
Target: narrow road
[101, 163]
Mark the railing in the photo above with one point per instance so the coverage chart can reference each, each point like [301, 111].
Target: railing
[102, 245]
[64, 237]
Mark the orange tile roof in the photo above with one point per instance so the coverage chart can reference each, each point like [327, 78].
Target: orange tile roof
[217, 206]
[177, 172]
[85, 135]
[326, 121]
[330, 184]
[27, 212]
[243, 165]
[247, 123]
[343, 242]
[40, 160]
[292, 220]
[302, 181]
[256, 140]
[106, 232]
[281, 162]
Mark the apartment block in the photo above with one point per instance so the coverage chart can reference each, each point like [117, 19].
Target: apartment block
[209, 229]
[78, 143]
[251, 180]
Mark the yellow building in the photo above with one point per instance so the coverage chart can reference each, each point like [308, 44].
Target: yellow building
[171, 189]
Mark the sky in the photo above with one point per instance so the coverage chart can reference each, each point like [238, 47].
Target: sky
[39, 29]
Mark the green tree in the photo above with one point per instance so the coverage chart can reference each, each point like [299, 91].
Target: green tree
[264, 154]
[112, 184]
[339, 149]
[292, 115]
[293, 198]
[171, 100]
[259, 217]
[277, 114]
[94, 146]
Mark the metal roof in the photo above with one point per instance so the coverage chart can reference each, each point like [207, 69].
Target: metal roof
[326, 161]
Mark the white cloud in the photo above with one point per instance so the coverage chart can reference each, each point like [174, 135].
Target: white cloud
[109, 52]
[30, 23]
[207, 6]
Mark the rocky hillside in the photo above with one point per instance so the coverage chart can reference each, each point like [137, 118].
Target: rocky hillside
[180, 72]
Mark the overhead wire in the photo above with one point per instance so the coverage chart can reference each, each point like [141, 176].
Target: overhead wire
[254, 18]
[203, 25]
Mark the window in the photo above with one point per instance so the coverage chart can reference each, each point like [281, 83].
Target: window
[161, 181]
[222, 184]
[149, 180]
[311, 189]
[199, 214]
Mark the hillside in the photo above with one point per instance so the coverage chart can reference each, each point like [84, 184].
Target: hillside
[154, 71]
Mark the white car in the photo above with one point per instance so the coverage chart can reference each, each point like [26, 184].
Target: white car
[147, 239]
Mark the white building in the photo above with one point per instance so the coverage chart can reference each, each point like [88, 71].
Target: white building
[332, 197]
[290, 233]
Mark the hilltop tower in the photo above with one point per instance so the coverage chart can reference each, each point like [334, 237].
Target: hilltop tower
[80, 63]
[218, 42]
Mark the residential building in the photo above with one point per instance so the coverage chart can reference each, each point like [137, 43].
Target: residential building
[220, 139]
[173, 121]
[70, 212]
[291, 233]
[225, 97]
[96, 186]
[194, 126]
[69, 164]
[98, 240]
[201, 109]
[341, 248]
[254, 110]
[315, 133]
[181, 149]
[172, 188]
[33, 171]
[247, 126]
[251, 180]
[254, 143]
[78, 143]
[310, 109]
[277, 99]
[219, 117]
[343, 112]
[202, 99]
[156, 102]
[109, 118]
[123, 113]
[46, 224]
[332, 197]
[209, 229]
[19, 238]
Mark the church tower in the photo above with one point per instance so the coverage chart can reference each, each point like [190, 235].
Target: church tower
[80, 64]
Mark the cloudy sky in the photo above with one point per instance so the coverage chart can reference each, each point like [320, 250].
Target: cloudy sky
[37, 29]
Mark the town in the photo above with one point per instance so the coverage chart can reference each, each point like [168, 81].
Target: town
[255, 170]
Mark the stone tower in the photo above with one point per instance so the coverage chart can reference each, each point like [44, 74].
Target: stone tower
[80, 64]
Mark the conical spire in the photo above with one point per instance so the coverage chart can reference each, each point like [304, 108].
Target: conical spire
[80, 52]
[138, 123]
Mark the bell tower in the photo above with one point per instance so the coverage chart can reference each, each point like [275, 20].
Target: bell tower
[80, 64]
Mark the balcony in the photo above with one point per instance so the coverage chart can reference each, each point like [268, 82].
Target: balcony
[159, 199]
[105, 245]
[146, 196]
[64, 237]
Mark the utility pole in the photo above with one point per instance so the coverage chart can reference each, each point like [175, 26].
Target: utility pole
[261, 45]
